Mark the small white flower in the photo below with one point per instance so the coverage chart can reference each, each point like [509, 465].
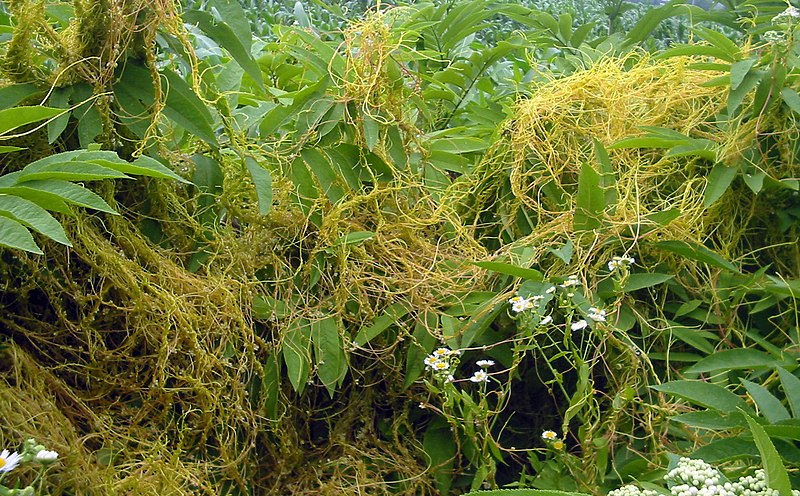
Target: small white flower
[596, 314]
[484, 363]
[550, 290]
[450, 378]
[479, 376]
[431, 361]
[440, 365]
[9, 462]
[620, 262]
[549, 435]
[571, 281]
[577, 326]
[46, 456]
[520, 304]
[441, 352]
[546, 320]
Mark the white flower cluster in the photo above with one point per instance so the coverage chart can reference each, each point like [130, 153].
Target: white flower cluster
[620, 262]
[440, 360]
[698, 478]
[790, 15]
[631, 490]
[597, 314]
[520, 303]
[571, 281]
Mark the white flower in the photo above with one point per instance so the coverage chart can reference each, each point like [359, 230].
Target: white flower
[440, 365]
[46, 456]
[9, 462]
[431, 361]
[520, 304]
[479, 376]
[577, 326]
[596, 314]
[549, 435]
[546, 320]
[441, 352]
[550, 290]
[450, 378]
[571, 281]
[620, 262]
[484, 363]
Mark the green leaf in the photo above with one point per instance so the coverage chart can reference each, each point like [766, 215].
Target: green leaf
[776, 476]
[725, 449]
[327, 177]
[262, 180]
[739, 70]
[709, 419]
[645, 280]
[33, 216]
[297, 353]
[328, 352]
[511, 270]
[233, 37]
[69, 171]
[282, 114]
[439, 446]
[523, 492]
[791, 388]
[697, 253]
[422, 344]
[391, 315]
[736, 359]
[354, 238]
[59, 98]
[564, 253]
[15, 235]
[270, 386]
[719, 180]
[722, 42]
[768, 405]
[12, 94]
[791, 99]
[703, 394]
[371, 128]
[43, 191]
[13, 118]
[142, 166]
[187, 110]
[590, 200]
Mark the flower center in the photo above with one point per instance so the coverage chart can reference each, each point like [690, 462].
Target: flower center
[2, 462]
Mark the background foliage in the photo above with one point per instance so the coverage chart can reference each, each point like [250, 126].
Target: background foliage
[327, 195]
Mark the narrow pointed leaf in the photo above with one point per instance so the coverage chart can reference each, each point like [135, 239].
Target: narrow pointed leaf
[15, 235]
[33, 216]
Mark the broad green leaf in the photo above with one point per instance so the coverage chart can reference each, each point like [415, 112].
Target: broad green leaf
[262, 180]
[739, 70]
[704, 394]
[710, 419]
[328, 352]
[142, 166]
[511, 270]
[47, 201]
[776, 476]
[440, 448]
[327, 177]
[736, 359]
[233, 37]
[371, 129]
[187, 110]
[15, 117]
[70, 171]
[725, 449]
[15, 235]
[297, 353]
[282, 114]
[719, 180]
[392, 314]
[791, 388]
[12, 94]
[791, 99]
[645, 280]
[353, 238]
[33, 216]
[768, 405]
[59, 98]
[65, 191]
[590, 200]
[697, 253]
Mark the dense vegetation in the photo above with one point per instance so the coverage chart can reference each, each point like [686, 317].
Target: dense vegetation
[291, 248]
